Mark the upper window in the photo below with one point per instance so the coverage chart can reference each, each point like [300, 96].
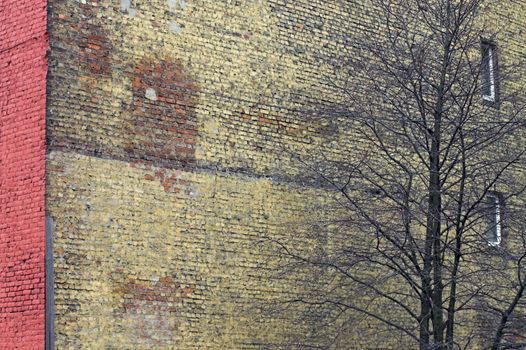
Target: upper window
[494, 230]
[489, 72]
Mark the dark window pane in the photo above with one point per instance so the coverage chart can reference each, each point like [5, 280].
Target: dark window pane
[487, 78]
[488, 71]
[493, 234]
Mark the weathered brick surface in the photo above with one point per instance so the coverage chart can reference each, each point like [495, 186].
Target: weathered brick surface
[169, 126]
[23, 68]
[141, 264]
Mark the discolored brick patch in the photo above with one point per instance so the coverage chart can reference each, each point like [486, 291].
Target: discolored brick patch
[94, 46]
[162, 123]
[149, 307]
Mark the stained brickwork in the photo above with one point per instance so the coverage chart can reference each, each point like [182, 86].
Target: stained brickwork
[170, 124]
[143, 264]
[23, 68]
[169, 129]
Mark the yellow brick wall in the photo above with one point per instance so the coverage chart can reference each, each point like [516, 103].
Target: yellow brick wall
[138, 266]
[170, 127]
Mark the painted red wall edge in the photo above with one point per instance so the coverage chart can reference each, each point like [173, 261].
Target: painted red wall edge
[23, 69]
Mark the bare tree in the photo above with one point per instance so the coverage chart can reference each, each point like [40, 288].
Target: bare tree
[425, 243]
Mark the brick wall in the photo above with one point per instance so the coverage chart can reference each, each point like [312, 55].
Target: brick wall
[170, 127]
[23, 68]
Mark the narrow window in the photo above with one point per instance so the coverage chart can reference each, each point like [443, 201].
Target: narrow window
[494, 231]
[489, 70]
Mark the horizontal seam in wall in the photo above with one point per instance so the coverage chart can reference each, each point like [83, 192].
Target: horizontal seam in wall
[296, 182]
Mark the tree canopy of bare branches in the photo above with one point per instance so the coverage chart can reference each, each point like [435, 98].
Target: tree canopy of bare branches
[426, 242]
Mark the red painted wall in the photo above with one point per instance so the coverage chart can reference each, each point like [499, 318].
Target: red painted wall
[23, 68]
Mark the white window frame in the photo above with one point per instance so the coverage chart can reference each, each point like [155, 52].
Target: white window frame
[496, 212]
[491, 69]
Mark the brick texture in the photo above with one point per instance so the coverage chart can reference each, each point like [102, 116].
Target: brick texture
[170, 128]
[23, 69]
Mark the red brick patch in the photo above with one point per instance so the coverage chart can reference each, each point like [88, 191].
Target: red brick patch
[162, 124]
